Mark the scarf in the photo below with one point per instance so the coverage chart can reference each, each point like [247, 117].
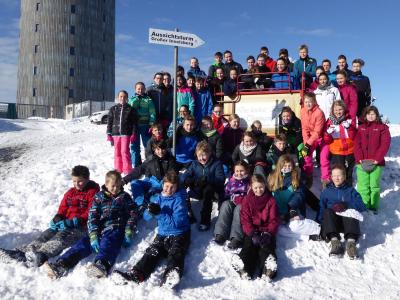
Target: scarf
[246, 151]
[208, 133]
[336, 121]
[324, 86]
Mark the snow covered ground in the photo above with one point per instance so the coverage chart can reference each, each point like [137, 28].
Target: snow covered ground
[36, 157]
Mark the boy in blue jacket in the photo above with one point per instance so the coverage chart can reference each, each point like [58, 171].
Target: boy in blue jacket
[203, 101]
[171, 241]
[111, 224]
[340, 204]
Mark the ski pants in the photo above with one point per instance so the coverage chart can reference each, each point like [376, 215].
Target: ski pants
[333, 225]
[228, 222]
[368, 185]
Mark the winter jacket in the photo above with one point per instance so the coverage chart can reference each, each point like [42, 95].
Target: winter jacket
[281, 81]
[308, 65]
[219, 123]
[372, 141]
[344, 193]
[363, 87]
[162, 100]
[173, 219]
[259, 213]
[213, 68]
[148, 151]
[110, 212]
[230, 87]
[287, 197]
[196, 72]
[292, 131]
[122, 120]
[313, 86]
[76, 203]
[263, 140]
[185, 145]
[216, 86]
[347, 70]
[257, 156]
[232, 65]
[341, 140]
[325, 97]
[273, 155]
[348, 93]
[185, 96]
[144, 106]
[312, 123]
[212, 172]
[156, 167]
[216, 144]
[179, 122]
[203, 104]
[231, 138]
[270, 63]
[236, 189]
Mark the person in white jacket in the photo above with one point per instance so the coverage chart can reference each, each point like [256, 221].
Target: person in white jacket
[326, 93]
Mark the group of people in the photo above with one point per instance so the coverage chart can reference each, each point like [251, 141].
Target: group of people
[261, 184]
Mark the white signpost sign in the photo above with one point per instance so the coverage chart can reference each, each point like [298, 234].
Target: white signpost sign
[176, 39]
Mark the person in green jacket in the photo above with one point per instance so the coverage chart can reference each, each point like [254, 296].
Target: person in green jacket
[146, 112]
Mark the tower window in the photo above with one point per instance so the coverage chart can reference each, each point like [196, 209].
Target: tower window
[72, 50]
[37, 6]
[36, 48]
[36, 27]
[73, 8]
[71, 72]
[71, 93]
[72, 29]
[34, 92]
[35, 70]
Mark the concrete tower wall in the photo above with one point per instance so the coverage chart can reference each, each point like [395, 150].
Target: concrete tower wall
[67, 55]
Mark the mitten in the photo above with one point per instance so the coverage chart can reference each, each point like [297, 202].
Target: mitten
[72, 223]
[339, 207]
[346, 123]
[110, 139]
[265, 239]
[94, 242]
[189, 182]
[305, 151]
[61, 225]
[132, 138]
[284, 128]
[154, 208]
[255, 238]
[330, 129]
[53, 225]
[127, 238]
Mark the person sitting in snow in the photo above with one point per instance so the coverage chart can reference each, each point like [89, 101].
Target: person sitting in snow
[172, 239]
[340, 207]
[111, 224]
[67, 226]
[156, 135]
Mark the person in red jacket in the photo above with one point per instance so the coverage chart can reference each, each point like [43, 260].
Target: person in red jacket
[269, 62]
[218, 119]
[312, 128]
[339, 135]
[67, 227]
[348, 93]
[260, 222]
[371, 144]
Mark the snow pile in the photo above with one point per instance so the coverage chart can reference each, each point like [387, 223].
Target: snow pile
[36, 157]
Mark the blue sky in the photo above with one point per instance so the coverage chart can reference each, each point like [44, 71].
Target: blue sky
[369, 30]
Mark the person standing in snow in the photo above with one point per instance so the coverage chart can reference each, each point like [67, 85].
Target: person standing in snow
[371, 144]
[340, 204]
[172, 240]
[362, 84]
[260, 222]
[121, 127]
[111, 224]
[67, 226]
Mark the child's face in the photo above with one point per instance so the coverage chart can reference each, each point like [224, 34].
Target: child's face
[371, 116]
[183, 112]
[202, 157]
[261, 61]
[303, 53]
[188, 125]
[160, 152]
[217, 111]
[79, 182]
[286, 117]
[338, 111]
[139, 89]
[287, 167]
[190, 82]
[194, 63]
[220, 74]
[341, 63]
[156, 131]
[322, 80]
[169, 189]
[158, 79]
[240, 172]
[338, 177]
[327, 66]
[166, 80]
[356, 67]
[248, 141]
[113, 186]
[258, 188]
[340, 79]
[280, 145]
[233, 74]
[308, 103]
[318, 72]
[235, 123]
[228, 57]
[280, 65]
[250, 63]
[206, 125]
[122, 98]
[218, 59]
[199, 85]
[257, 127]
[179, 81]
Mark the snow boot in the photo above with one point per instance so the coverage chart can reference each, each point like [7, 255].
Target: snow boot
[219, 239]
[35, 259]
[336, 248]
[234, 244]
[98, 269]
[238, 266]
[171, 278]
[9, 256]
[55, 270]
[351, 248]
[270, 267]
[122, 278]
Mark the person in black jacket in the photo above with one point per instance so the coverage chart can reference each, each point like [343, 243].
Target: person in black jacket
[121, 126]
[157, 134]
[362, 84]
[211, 136]
[153, 170]
[262, 138]
[231, 64]
[290, 125]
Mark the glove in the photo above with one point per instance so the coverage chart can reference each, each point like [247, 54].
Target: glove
[291, 214]
[305, 151]
[72, 223]
[127, 238]
[189, 182]
[94, 242]
[368, 165]
[256, 79]
[339, 207]
[255, 238]
[154, 208]
[110, 139]
[53, 225]
[346, 123]
[132, 138]
[330, 129]
[60, 225]
[284, 128]
[265, 239]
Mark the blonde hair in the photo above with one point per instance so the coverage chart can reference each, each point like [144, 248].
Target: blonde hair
[203, 146]
[234, 117]
[275, 179]
[114, 176]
